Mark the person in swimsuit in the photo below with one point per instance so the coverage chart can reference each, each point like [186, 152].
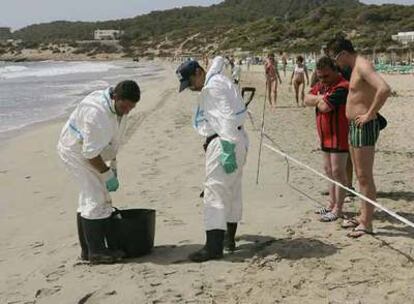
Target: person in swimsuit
[284, 57]
[329, 98]
[346, 73]
[368, 92]
[272, 75]
[298, 78]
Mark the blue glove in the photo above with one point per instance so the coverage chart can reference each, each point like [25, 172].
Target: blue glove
[228, 156]
[111, 181]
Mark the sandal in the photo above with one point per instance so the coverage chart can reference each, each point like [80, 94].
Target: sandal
[359, 231]
[323, 210]
[350, 194]
[350, 223]
[329, 217]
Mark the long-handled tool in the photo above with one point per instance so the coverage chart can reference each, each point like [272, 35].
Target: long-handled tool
[261, 136]
[250, 90]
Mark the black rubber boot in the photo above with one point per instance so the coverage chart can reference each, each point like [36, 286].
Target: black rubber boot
[95, 232]
[230, 237]
[82, 241]
[112, 239]
[212, 250]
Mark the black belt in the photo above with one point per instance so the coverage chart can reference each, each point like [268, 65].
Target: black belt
[210, 138]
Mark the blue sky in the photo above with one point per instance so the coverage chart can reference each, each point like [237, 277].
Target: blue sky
[19, 13]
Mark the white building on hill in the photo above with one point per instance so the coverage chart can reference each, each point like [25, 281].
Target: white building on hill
[107, 34]
[404, 37]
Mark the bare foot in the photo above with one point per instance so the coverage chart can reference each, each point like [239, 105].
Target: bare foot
[359, 231]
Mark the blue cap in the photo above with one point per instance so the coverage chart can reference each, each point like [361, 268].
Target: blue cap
[185, 71]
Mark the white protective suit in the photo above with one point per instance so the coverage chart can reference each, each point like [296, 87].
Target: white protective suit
[221, 111]
[93, 129]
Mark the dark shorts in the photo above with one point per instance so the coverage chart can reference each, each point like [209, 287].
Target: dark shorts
[367, 135]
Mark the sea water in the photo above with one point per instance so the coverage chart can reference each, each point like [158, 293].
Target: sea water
[33, 92]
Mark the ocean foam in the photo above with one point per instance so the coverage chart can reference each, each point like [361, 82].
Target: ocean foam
[54, 69]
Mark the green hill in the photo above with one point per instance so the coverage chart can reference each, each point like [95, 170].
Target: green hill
[248, 24]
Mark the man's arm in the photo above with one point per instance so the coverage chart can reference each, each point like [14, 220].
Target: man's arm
[221, 117]
[311, 100]
[323, 106]
[383, 90]
[98, 164]
[106, 174]
[317, 101]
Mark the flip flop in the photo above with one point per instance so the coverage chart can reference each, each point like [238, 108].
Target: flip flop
[348, 199]
[323, 210]
[350, 194]
[328, 217]
[358, 232]
[350, 223]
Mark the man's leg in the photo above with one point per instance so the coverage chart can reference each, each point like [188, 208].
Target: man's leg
[338, 163]
[82, 240]
[331, 214]
[364, 163]
[235, 204]
[96, 217]
[328, 171]
[92, 210]
[216, 192]
[349, 172]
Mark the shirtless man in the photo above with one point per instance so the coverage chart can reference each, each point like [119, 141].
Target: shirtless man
[272, 75]
[367, 94]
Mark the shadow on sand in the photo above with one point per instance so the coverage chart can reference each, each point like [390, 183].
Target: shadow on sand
[248, 246]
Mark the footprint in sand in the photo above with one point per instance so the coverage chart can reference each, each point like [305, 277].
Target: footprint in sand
[174, 222]
[47, 292]
[54, 273]
[37, 244]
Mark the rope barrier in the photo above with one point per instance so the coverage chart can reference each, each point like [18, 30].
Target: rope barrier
[290, 158]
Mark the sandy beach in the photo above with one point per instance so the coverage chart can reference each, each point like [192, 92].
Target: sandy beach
[285, 254]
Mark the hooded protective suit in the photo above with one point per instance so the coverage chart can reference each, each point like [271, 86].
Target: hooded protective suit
[93, 129]
[222, 111]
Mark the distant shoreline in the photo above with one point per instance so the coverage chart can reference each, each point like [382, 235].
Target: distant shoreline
[28, 55]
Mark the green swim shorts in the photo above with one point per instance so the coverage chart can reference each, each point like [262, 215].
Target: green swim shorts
[365, 136]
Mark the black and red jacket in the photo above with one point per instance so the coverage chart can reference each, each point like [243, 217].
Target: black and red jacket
[333, 125]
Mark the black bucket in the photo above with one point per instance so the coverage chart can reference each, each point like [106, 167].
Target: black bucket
[135, 230]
